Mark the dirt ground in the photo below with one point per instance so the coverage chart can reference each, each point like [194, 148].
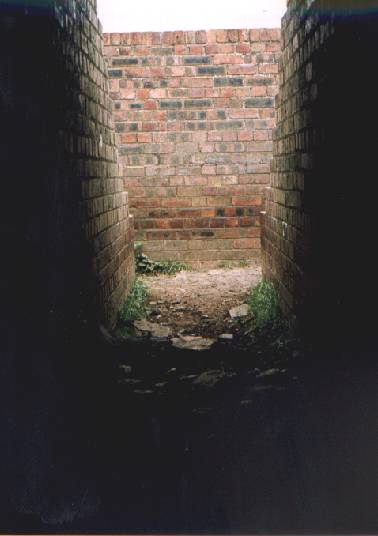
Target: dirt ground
[198, 302]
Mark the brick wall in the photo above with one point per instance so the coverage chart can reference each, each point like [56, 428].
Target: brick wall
[319, 222]
[59, 154]
[90, 148]
[195, 112]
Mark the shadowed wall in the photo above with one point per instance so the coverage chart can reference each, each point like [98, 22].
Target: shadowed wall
[320, 223]
[67, 242]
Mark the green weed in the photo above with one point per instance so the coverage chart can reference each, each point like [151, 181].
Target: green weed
[264, 306]
[145, 265]
[225, 264]
[133, 308]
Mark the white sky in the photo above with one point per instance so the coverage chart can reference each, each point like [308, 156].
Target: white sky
[172, 15]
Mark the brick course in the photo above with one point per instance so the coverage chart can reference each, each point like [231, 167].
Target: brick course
[195, 112]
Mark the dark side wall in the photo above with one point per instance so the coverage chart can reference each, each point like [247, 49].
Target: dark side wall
[66, 235]
[66, 212]
[319, 227]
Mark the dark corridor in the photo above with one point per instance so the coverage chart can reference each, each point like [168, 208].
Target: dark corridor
[100, 437]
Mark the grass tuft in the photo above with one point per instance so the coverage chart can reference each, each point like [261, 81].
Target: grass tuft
[264, 306]
[134, 306]
[145, 265]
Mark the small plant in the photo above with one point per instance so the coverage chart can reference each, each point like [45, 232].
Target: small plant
[145, 265]
[133, 308]
[225, 264]
[264, 306]
[243, 264]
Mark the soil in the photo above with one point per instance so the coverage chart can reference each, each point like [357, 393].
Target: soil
[198, 302]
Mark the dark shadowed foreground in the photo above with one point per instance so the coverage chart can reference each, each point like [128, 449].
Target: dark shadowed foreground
[152, 439]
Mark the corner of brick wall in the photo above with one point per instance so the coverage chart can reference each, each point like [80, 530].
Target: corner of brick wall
[285, 223]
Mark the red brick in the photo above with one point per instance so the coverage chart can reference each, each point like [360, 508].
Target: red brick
[268, 68]
[254, 35]
[217, 222]
[228, 58]
[232, 36]
[231, 222]
[197, 92]
[243, 243]
[175, 202]
[245, 136]
[246, 201]
[243, 48]
[212, 36]
[201, 36]
[181, 49]
[143, 93]
[258, 91]
[150, 105]
[242, 69]
[221, 36]
[209, 170]
[128, 138]
[197, 50]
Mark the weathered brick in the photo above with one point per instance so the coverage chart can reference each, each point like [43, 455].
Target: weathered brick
[228, 81]
[197, 103]
[130, 149]
[196, 60]
[170, 104]
[115, 73]
[228, 58]
[211, 70]
[125, 61]
[201, 36]
[259, 102]
[224, 125]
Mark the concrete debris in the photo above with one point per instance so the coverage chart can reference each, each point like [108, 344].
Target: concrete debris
[188, 377]
[155, 331]
[210, 378]
[192, 343]
[126, 369]
[226, 337]
[269, 372]
[129, 381]
[239, 311]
